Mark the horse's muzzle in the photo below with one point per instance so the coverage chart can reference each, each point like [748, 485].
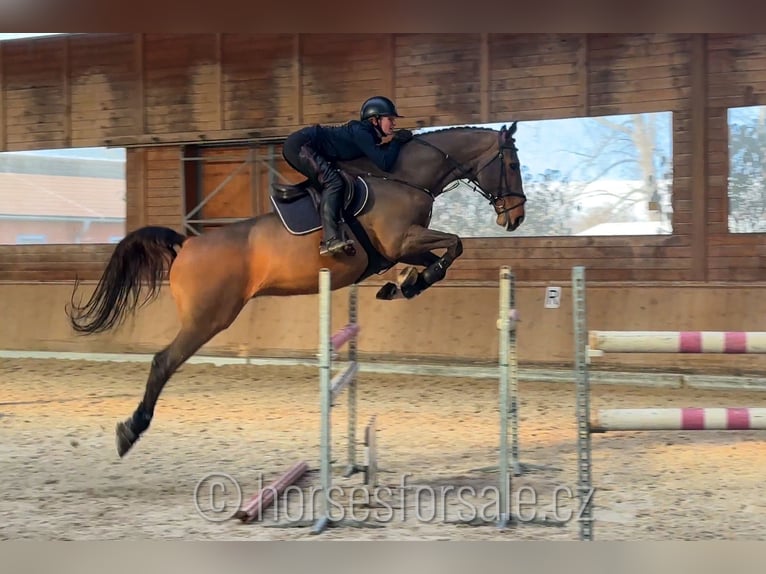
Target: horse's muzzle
[511, 224]
[505, 219]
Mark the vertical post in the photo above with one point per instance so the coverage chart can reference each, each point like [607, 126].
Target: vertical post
[271, 165]
[352, 320]
[184, 192]
[484, 76]
[136, 196]
[219, 104]
[699, 184]
[252, 159]
[584, 483]
[298, 79]
[325, 357]
[138, 103]
[66, 88]
[503, 324]
[583, 75]
[3, 104]
[513, 382]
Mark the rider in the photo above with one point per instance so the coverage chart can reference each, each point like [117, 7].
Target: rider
[313, 151]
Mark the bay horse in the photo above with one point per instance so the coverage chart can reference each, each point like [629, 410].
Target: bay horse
[212, 276]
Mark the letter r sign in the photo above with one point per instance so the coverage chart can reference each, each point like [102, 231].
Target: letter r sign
[552, 297]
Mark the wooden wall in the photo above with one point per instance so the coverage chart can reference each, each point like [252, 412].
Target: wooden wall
[166, 90]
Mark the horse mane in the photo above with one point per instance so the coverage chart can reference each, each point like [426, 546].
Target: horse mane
[457, 129]
[364, 165]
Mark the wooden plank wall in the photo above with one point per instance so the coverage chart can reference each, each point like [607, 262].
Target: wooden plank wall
[162, 90]
[260, 79]
[154, 185]
[736, 77]
[102, 77]
[34, 76]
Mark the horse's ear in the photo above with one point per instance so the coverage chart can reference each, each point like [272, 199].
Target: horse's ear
[502, 130]
[513, 129]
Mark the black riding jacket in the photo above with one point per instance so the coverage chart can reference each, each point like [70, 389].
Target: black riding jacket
[353, 140]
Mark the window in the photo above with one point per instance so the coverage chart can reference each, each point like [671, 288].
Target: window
[747, 165]
[608, 175]
[30, 239]
[66, 196]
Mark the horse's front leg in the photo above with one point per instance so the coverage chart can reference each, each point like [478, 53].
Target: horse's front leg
[417, 249]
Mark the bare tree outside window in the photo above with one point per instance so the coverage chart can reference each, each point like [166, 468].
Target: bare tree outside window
[747, 169]
[607, 175]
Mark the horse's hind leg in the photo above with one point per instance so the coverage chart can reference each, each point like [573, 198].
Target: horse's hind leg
[188, 340]
[202, 317]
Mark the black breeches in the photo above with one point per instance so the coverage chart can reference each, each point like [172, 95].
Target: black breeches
[302, 157]
[291, 151]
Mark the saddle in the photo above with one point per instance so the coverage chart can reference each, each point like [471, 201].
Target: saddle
[287, 192]
[297, 205]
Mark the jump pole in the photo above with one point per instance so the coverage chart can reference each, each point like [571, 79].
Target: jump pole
[727, 342]
[264, 498]
[680, 419]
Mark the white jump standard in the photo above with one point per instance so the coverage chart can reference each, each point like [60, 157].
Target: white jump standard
[329, 389]
[590, 344]
[508, 390]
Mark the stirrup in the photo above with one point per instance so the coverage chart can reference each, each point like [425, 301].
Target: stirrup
[334, 246]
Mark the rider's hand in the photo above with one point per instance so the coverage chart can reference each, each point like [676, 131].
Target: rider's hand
[403, 136]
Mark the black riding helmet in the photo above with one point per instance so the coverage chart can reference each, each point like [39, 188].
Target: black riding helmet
[378, 106]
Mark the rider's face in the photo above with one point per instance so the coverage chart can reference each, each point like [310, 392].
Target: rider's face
[387, 125]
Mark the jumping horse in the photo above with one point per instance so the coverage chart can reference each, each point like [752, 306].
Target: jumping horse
[212, 276]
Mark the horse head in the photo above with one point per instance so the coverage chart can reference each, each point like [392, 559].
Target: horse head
[485, 158]
[499, 180]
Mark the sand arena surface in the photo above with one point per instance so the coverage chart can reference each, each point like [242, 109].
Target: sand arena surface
[62, 478]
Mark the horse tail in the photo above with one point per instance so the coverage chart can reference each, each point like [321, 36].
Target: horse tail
[137, 266]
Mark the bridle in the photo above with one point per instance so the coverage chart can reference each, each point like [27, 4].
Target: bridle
[466, 173]
[504, 185]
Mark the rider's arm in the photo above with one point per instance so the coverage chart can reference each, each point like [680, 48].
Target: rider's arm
[382, 156]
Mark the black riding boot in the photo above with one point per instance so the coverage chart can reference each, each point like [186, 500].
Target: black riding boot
[332, 201]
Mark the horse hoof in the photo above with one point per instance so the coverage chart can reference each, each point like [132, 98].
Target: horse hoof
[410, 291]
[407, 277]
[125, 438]
[387, 292]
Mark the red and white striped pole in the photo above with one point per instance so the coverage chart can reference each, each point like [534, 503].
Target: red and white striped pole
[729, 342]
[689, 419]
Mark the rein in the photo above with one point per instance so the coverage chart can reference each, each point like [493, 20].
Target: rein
[463, 172]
